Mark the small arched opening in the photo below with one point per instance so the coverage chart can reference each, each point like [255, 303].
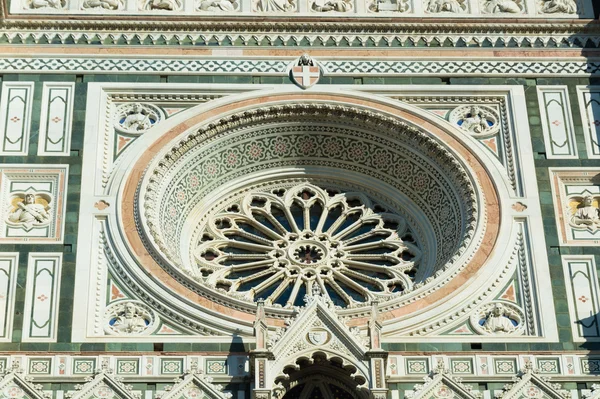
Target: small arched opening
[322, 378]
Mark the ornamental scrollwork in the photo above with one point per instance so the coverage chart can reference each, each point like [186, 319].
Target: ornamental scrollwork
[498, 318]
[129, 318]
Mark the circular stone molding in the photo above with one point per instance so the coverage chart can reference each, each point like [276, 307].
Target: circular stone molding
[129, 318]
[498, 318]
[231, 207]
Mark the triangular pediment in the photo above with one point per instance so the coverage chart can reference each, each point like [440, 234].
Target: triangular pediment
[15, 385]
[103, 385]
[317, 326]
[530, 384]
[440, 384]
[195, 385]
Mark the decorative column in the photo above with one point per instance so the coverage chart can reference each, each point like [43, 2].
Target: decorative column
[261, 356]
[376, 355]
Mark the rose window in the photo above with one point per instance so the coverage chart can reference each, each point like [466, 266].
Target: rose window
[276, 244]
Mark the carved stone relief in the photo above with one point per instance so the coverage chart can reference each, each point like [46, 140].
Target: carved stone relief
[389, 6]
[136, 118]
[217, 5]
[30, 210]
[585, 212]
[446, 6]
[103, 4]
[332, 5]
[502, 6]
[576, 203]
[477, 120]
[497, 318]
[557, 6]
[41, 4]
[160, 5]
[129, 318]
[32, 207]
[274, 5]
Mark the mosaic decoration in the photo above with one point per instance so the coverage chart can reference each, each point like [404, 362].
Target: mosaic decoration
[505, 366]
[441, 384]
[253, 67]
[530, 384]
[417, 366]
[461, 366]
[214, 366]
[548, 366]
[15, 119]
[56, 119]
[590, 366]
[42, 297]
[128, 366]
[40, 366]
[84, 366]
[171, 366]
[557, 122]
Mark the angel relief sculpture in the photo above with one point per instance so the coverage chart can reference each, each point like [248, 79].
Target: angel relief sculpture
[586, 214]
[29, 211]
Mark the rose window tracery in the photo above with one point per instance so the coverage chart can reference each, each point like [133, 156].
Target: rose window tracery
[275, 245]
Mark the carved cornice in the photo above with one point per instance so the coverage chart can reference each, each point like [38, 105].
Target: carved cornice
[388, 32]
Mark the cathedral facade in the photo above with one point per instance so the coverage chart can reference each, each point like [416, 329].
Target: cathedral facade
[281, 199]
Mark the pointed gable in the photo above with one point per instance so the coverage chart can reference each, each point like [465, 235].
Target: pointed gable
[441, 385]
[103, 385]
[530, 384]
[15, 385]
[318, 326]
[195, 385]
[594, 393]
